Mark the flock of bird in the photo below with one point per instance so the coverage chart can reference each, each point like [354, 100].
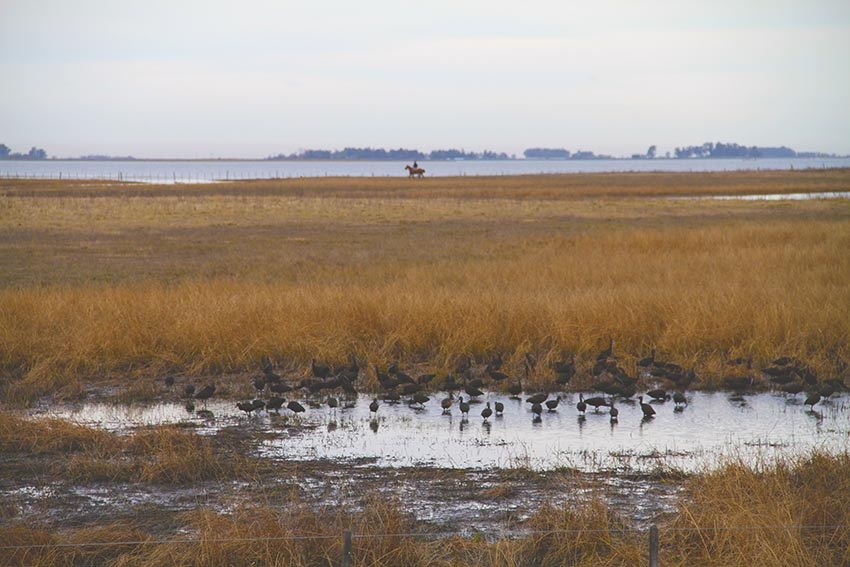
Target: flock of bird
[335, 386]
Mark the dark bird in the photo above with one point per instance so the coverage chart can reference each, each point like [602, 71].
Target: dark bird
[500, 408]
[614, 412]
[425, 378]
[648, 410]
[658, 395]
[259, 383]
[189, 390]
[679, 399]
[373, 407]
[581, 406]
[608, 351]
[647, 361]
[446, 403]
[280, 388]
[295, 407]
[274, 403]
[811, 400]
[537, 398]
[537, 409]
[169, 381]
[333, 403]
[259, 405]
[793, 388]
[320, 370]
[206, 392]
[486, 412]
[464, 407]
[420, 399]
[247, 407]
[596, 402]
[552, 405]
[472, 391]
[515, 389]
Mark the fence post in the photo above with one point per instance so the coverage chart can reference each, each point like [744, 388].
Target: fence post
[653, 546]
[346, 548]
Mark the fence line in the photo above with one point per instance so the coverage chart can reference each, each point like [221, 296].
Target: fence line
[424, 535]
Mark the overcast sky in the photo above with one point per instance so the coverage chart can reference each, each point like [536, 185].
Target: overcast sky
[250, 79]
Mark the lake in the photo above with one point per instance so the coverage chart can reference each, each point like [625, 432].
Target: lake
[214, 170]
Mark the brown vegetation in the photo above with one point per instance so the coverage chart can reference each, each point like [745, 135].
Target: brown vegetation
[794, 513]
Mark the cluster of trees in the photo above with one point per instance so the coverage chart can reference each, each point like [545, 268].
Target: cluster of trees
[721, 150]
[400, 154]
[34, 153]
[561, 153]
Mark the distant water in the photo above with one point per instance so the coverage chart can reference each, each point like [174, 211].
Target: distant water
[214, 170]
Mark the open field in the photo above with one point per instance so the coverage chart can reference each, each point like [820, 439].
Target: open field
[102, 282]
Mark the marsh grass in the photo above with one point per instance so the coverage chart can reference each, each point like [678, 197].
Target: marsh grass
[129, 282]
[156, 455]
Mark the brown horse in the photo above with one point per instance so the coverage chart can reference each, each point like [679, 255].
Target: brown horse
[414, 171]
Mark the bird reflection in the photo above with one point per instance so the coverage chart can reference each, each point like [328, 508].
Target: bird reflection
[486, 427]
[373, 425]
[332, 426]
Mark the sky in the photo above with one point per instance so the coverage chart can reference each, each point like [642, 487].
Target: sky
[249, 79]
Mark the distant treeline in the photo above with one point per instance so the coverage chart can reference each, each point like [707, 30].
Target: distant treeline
[400, 154]
[561, 153]
[34, 153]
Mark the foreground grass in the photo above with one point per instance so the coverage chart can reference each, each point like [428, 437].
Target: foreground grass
[129, 282]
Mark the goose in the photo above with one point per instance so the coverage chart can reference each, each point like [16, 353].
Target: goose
[581, 406]
[679, 399]
[500, 408]
[614, 412]
[373, 407]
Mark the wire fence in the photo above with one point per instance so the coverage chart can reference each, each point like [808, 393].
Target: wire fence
[427, 535]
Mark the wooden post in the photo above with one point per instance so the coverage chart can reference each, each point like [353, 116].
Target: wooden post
[653, 546]
[346, 548]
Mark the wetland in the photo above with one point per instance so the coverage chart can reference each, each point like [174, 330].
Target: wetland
[108, 289]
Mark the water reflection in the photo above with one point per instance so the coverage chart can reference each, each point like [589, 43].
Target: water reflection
[714, 426]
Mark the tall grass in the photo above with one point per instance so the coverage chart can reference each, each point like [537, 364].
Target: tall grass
[211, 282]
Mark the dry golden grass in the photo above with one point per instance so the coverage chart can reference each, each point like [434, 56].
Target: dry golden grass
[737, 515]
[82, 454]
[131, 281]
